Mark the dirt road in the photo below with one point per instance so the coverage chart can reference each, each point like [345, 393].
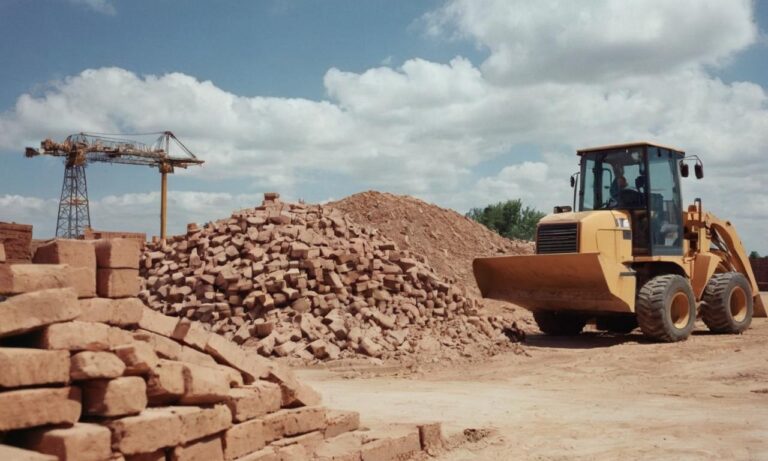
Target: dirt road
[594, 397]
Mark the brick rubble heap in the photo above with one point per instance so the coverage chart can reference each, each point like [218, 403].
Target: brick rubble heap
[293, 279]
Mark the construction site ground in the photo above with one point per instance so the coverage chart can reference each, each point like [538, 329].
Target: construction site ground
[595, 396]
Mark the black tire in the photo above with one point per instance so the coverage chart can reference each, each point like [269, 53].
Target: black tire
[559, 323]
[727, 305]
[621, 324]
[666, 308]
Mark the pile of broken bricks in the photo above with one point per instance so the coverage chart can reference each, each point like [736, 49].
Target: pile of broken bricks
[292, 279]
[91, 374]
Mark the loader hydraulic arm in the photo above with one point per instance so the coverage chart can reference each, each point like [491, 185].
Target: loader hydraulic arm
[727, 245]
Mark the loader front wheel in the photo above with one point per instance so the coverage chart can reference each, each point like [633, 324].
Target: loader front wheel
[727, 305]
[559, 323]
[666, 310]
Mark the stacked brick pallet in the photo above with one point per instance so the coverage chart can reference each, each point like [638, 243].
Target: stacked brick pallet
[760, 268]
[15, 239]
[297, 279]
[105, 378]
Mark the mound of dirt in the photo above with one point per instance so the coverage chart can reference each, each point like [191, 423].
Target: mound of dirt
[299, 280]
[448, 240]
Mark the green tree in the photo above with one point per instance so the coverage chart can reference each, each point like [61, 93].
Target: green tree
[509, 219]
[754, 255]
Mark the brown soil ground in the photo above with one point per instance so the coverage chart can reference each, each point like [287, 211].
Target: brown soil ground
[594, 396]
[447, 239]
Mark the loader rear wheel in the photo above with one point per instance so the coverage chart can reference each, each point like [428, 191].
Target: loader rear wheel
[727, 305]
[621, 324]
[559, 323]
[666, 310]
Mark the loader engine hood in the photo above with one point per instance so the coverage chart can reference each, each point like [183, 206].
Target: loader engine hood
[580, 265]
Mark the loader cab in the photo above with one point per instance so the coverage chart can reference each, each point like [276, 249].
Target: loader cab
[643, 180]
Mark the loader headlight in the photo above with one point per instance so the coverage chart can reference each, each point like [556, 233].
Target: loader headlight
[622, 223]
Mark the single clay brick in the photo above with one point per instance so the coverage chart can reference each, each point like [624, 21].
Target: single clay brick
[94, 365]
[114, 397]
[39, 407]
[244, 438]
[394, 442]
[293, 453]
[251, 365]
[138, 357]
[30, 367]
[18, 454]
[297, 421]
[81, 442]
[165, 383]
[204, 385]
[200, 422]
[345, 447]
[26, 278]
[164, 347]
[83, 280]
[310, 441]
[191, 355]
[80, 336]
[75, 253]
[117, 312]
[295, 394]
[254, 400]
[31, 311]
[340, 422]
[431, 436]
[118, 253]
[156, 322]
[191, 333]
[152, 429]
[208, 449]
[117, 283]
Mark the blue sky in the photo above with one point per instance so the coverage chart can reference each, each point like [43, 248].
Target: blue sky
[334, 97]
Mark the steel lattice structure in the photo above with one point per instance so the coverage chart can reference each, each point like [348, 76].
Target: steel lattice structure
[80, 149]
[74, 213]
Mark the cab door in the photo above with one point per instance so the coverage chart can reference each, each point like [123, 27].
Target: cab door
[664, 202]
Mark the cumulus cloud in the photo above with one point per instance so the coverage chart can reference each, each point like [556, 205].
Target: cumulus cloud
[558, 75]
[99, 6]
[603, 39]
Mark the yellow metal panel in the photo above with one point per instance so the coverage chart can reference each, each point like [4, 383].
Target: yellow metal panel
[703, 268]
[579, 281]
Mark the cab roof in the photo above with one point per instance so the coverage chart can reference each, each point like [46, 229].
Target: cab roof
[627, 145]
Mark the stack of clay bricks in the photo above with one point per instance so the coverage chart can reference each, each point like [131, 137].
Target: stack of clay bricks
[105, 378]
[292, 279]
[16, 240]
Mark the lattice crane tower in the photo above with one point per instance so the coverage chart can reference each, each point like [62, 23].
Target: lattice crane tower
[80, 149]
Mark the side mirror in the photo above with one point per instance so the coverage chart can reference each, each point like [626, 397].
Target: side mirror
[573, 181]
[698, 170]
[684, 169]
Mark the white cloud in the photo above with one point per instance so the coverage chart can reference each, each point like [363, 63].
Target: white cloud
[99, 6]
[583, 41]
[558, 76]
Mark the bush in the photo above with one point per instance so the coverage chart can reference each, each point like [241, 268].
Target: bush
[509, 219]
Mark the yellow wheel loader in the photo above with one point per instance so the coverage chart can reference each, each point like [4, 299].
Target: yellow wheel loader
[631, 255]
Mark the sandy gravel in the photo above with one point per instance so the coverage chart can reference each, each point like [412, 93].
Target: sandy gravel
[594, 396]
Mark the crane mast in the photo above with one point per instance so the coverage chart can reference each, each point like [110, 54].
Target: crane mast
[80, 149]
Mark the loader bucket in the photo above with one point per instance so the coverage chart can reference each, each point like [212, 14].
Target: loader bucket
[581, 281]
